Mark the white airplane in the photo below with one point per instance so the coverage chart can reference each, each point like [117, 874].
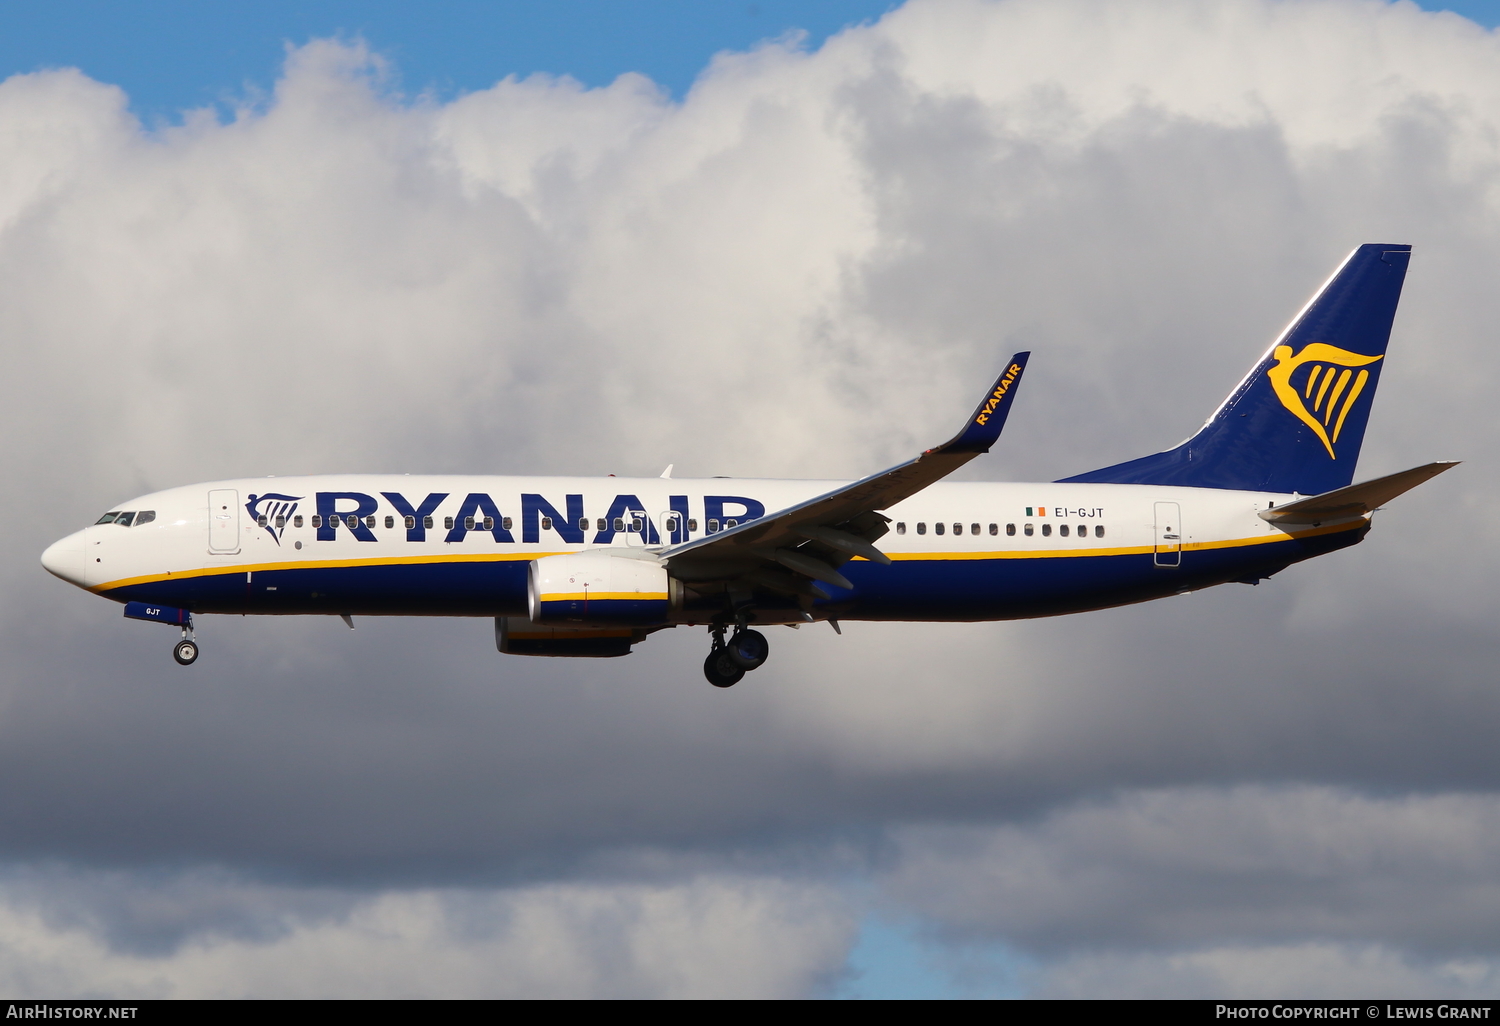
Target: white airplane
[590, 567]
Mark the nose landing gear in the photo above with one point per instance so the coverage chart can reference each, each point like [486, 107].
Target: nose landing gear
[186, 650]
[728, 662]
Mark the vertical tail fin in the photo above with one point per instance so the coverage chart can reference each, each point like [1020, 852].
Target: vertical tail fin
[1296, 422]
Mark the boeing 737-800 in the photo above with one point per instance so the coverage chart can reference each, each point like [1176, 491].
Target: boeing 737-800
[590, 567]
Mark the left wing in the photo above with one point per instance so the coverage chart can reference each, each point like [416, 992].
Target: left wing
[790, 549]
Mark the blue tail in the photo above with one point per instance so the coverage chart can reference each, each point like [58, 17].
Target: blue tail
[1296, 422]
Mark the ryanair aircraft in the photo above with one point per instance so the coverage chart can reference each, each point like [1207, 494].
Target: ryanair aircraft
[590, 567]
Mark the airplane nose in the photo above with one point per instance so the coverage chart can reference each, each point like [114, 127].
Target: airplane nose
[65, 559]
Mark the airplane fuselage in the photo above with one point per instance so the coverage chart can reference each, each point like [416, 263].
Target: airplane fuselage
[461, 545]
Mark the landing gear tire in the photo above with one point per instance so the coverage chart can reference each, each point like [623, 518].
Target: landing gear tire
[721, 670]
[185, 652]
[748, 649]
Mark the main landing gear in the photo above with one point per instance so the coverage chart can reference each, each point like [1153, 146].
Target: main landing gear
[186, 650]
[728, 661]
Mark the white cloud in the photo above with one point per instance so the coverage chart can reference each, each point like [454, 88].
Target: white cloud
[706, 937]
[1328, 971]
[1186, 867]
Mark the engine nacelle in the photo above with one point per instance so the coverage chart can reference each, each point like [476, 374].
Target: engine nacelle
[598, 588]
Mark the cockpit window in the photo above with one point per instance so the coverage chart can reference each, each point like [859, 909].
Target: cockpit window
[108, 518]
[145, 516]
[125, 519]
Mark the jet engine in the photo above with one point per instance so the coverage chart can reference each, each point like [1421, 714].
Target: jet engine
[599, 589]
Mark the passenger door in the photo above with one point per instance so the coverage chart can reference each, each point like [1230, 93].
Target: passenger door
[224, 521]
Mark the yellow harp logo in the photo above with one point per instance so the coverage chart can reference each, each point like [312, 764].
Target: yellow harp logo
[1327, 382]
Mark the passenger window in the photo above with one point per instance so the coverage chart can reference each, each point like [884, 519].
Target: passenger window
[108, 518]
[390, 522]
[546, 523]
[974, 529]
[124, 519]
[1098, 530]
[468, 523]
[731, 523]
[713, 527]
[939, 528]
[260, 521]
[583, 524]
[145, 516]
[427, 522]
[297, 521]
[370, 520]
[901, 528]
[619, 524]
[635, 525]
[1062, 530]
[692, 524]
[921, 527]
[671, 524]
[1083, 530]
[280, 523]
[351, 520]
[505, 522]
[1046, 530]
[410, 523]
[317, 521]
[1028, 530]
[1010, 530]
[995, 529]
[489, 523]
[447, 523]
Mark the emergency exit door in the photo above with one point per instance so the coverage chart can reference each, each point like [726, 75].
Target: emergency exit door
[1168, 534]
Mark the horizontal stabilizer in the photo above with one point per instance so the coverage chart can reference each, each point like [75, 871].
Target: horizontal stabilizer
[1355, 500]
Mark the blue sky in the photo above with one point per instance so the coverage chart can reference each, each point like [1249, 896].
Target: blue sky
[171, 55]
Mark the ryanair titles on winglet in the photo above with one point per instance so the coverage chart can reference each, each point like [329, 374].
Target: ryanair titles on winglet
[998, 394]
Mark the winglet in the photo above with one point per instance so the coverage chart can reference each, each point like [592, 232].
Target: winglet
[988, 418]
